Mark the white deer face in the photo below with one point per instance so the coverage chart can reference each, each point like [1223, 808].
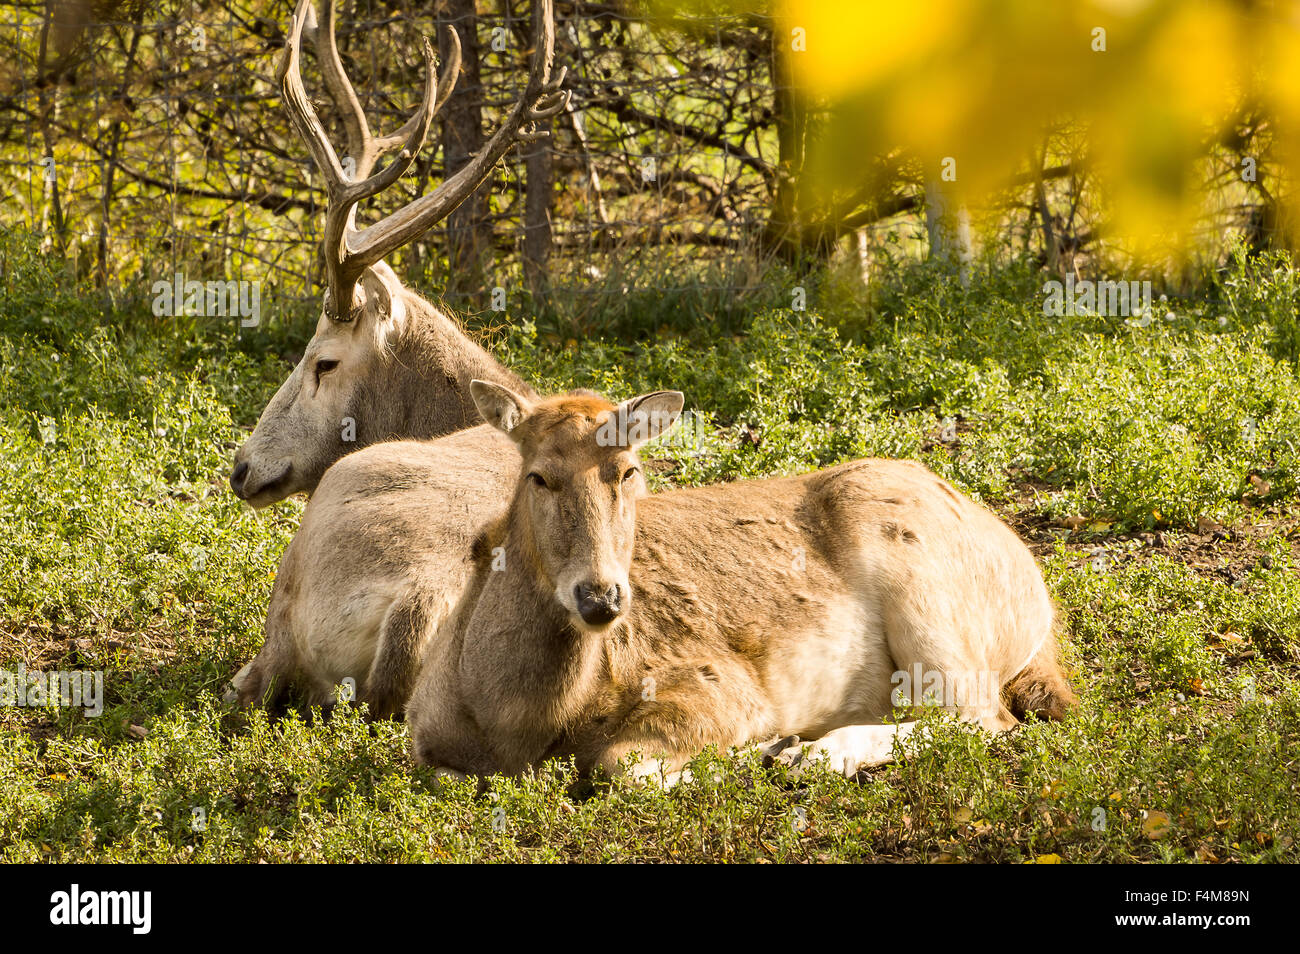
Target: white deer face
[314, 417]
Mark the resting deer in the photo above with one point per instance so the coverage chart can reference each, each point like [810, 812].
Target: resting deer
[392, 365]
[380, 554]
[601, 622]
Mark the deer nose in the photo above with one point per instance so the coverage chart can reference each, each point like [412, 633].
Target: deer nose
[237, 476]
[598, 608]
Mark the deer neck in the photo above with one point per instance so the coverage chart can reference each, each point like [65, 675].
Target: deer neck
[430, 363]
[532, 673]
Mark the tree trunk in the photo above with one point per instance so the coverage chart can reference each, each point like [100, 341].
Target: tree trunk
[781, 235]
[117, 134]
[797, 231]
[539, 185]
[537, 215]
[53, 225]
[468, 234]
[947, 223]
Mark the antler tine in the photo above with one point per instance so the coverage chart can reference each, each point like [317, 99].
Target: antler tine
[450, 73]
[365, 148]
[542, 97]
[340, 220]
[418, 126]
[342, 268]
[546, 106]
[289, 76]
[322, 34]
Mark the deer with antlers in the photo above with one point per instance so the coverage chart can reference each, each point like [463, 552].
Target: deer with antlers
[382, 550]
[387, 360]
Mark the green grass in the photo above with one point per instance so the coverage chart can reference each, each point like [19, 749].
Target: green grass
[1104, 443]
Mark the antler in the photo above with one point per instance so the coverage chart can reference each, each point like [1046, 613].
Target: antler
[349, 250]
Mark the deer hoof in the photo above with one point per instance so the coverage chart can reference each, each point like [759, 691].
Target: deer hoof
[235, 690]
[776, 750]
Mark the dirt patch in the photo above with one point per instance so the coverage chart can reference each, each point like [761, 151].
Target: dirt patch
[1227, 553]
[42, 645]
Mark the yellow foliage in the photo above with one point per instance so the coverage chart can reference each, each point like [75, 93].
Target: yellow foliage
[1147, 85]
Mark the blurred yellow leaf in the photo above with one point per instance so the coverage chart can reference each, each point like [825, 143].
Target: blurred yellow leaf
[1155, 825]
[1144, 86]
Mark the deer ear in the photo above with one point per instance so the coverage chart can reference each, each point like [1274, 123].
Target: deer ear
[382, 291]
[499, 406]
[646, 416]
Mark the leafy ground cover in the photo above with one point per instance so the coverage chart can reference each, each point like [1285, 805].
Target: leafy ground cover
[1152, 463]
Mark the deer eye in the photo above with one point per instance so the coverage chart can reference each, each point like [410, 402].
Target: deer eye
[536, 479]
[630, 473]
[325, 366]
